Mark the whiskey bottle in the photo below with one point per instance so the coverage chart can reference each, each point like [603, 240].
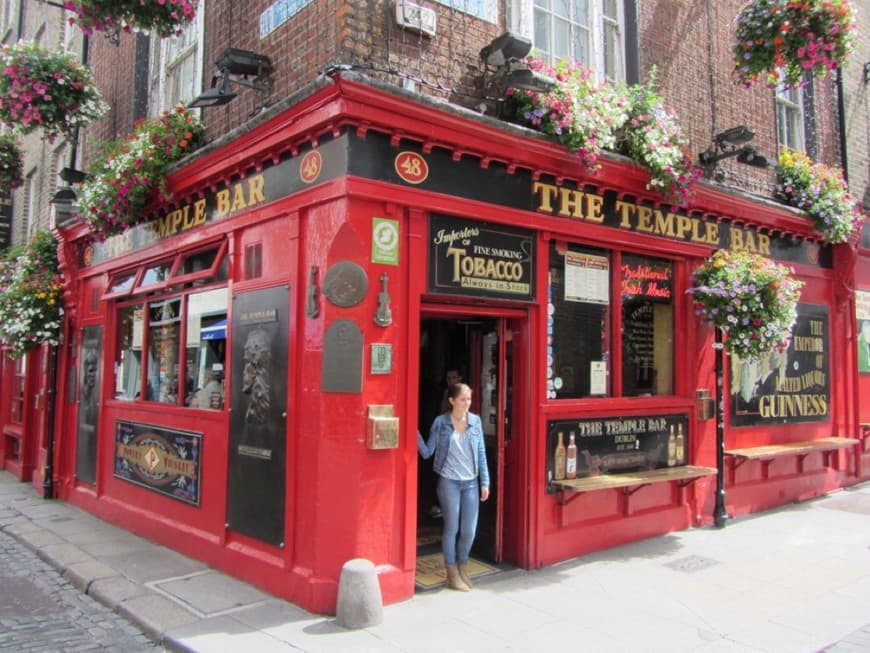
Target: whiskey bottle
[672, 448]
[680, 453]
[559, 472]
[571, 459]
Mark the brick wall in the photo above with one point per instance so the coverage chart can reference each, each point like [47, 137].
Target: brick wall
[689, 43]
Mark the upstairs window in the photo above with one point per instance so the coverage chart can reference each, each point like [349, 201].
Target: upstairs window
[790, 118]
[176, 66]
[601, 34]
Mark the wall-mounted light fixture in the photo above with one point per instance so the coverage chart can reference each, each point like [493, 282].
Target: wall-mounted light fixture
[505, 53]
[234, 67]
[732, 143]
[64, 200]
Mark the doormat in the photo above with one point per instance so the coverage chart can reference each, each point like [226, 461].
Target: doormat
[430, 572]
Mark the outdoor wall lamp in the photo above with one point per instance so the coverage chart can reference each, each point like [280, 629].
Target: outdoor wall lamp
[725, 145]
[234, 66]
[64, 200]
[506, 53]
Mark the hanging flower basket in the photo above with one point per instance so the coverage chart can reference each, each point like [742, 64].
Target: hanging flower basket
[748, 297]
[586, 117]
[11, 163]
[821, 191]
[160, 17]
[131, 172]
[31, 311]
[780, 41]
[46, 90]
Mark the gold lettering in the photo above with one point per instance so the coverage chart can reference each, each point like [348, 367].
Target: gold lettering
[644, 219]
[222, 198]
[664, 223]
[238, 199]
[625, 209]
[684, 226]
[255, 190]
[546, 193]
[593, 208]
[199, 212]
[712, 233]
[187, 223]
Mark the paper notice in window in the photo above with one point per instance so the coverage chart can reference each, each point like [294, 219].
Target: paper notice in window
[587, 278]
[597, 378]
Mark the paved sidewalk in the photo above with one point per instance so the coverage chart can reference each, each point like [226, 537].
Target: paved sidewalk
[793, 579]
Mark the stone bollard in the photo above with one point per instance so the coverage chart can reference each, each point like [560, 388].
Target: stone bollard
[359, 595]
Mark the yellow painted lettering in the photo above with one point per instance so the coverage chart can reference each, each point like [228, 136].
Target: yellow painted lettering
[222, 198]
[625, 210]
[593, 208]
[664, 223]
[255, 190]
[199, 212]
[238, 199]
[546, 193]
[644, 219]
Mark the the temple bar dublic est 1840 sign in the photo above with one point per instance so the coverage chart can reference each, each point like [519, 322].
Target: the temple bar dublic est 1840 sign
[479, 259]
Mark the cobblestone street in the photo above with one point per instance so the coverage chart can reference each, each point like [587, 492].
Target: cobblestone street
[42, 611]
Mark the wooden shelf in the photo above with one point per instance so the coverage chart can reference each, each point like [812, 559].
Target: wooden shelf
[631, 482]
[767, 453]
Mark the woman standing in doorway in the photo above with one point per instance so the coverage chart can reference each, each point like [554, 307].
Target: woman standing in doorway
[456, 439]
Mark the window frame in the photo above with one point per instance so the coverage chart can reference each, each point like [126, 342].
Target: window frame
[147, 303]
[613, 318]
[165, 63]
[522, 21]
[173, 280]
[790, 110]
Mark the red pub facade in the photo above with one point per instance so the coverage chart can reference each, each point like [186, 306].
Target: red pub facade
[243, 377]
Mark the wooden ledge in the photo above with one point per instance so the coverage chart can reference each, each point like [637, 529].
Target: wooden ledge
[631, 482]
[767, 453]
[791, 448]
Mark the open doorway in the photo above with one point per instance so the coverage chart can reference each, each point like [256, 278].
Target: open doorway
[479, 349]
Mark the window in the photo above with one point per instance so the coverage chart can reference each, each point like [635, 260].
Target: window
[176, 66]
[10, 16]
[598, 33]
[182, 347]
[592, 324]
[790, 118]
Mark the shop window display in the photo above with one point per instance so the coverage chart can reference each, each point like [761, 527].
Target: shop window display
[185, 371]
[582, 336]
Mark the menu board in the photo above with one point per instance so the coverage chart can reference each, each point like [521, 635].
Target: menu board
[587, 278]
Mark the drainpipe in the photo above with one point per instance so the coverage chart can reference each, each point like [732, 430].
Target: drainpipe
[48, 472]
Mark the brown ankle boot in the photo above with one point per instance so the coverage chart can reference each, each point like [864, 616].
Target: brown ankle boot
[454, 581]
[462, 567]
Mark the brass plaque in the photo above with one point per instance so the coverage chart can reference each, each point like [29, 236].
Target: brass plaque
[342, 358]
[345, 283]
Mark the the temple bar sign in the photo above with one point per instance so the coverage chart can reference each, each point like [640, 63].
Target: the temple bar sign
[468, 257]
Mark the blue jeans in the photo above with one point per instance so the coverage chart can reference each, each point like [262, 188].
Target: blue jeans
[460, 503]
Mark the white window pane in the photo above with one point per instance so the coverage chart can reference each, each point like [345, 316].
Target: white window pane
[562, 9]
[581, 12]
[561, 39]
[542, 33]
[610, 9]
[581, 47]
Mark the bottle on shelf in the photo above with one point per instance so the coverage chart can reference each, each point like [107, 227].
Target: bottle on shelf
[571, 458]
[560, 458]
[672, 448]
[680, 453]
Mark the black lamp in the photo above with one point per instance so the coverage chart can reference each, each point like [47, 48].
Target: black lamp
[235, 67]
[64, 202]
[505, 53]
[725, 146]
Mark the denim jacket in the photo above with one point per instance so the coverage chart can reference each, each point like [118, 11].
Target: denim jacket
[439, 443]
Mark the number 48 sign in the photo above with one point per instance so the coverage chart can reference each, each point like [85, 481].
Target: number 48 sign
[411, 167]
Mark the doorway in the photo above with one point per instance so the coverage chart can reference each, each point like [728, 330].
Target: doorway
[480, 347]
